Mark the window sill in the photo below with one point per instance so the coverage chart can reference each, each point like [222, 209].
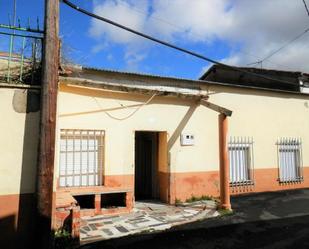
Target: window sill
[242, 183]
[295, 180]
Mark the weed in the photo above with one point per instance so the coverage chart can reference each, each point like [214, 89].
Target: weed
[178, 201]
[63, 239]
[225, 212]
[200, 198]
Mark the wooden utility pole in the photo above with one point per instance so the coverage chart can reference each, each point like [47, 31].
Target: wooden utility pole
[49, 89]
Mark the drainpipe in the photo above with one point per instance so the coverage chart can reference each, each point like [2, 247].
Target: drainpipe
[224, 163]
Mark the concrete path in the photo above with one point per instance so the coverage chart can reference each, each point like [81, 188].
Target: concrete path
[277, 220]
[146, 217]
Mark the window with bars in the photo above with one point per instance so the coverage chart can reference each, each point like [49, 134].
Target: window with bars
[81, 158]
[241, 161]
[290, 159]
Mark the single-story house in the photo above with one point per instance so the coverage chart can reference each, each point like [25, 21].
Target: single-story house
[124, 137]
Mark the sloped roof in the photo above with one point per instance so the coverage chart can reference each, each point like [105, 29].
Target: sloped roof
[210, 78]
[232, 77]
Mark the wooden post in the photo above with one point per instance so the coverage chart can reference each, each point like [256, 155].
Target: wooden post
[49, 89]
[224, 163]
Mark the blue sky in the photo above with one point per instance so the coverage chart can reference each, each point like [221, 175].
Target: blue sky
[159, 59]
[237, 32]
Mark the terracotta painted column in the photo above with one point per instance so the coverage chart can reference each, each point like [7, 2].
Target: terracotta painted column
[97, 204]
[224, 163]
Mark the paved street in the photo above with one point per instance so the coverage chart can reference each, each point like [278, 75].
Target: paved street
[268, 220]
[146, 217]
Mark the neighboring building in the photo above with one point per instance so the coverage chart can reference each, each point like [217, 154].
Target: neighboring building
[19, 140]
[123, 137]
[20, 104]
[232, 77]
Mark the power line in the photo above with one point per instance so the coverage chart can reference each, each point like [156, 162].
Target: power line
[281, 48]
[285, 45]
[154, 17]
[70, 4]
[178, 28]
[306, 7]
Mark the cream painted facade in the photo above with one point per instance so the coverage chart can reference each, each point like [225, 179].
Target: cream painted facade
[19, 140]
[19, 132]
[263, 115]
[81, 108]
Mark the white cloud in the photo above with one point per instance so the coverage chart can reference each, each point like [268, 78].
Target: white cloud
[122, 12]
[257, 27]
[99, 47]
[191, 20]
[110, 57]
[133, 58]
[264, 26]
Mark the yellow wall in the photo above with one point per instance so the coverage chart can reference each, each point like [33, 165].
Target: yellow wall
[263, 115]
[75, 110]
[18, 143]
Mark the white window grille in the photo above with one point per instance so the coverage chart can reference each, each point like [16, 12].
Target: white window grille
[290, 160]
[241, 161]
[81, 158]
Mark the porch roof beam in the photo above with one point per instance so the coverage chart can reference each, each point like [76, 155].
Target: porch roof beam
[203, 98]
[131, 89]
[216, 108]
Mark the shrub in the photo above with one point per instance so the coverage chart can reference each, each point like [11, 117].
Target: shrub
[63, 239]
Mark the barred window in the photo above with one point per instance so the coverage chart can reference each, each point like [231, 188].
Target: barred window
[290, 159]
[81, 158]
[241, 161]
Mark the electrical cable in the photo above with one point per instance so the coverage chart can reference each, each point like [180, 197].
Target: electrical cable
[75, 7]
[282, 47]
[285, 45]
[178, 28]
[126, 107]
[306, 7]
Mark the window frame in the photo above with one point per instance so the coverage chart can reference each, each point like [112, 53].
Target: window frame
[289, 145]
[240, 144]
[99, 148]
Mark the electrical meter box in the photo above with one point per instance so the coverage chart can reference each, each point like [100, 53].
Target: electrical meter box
[187, 139]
